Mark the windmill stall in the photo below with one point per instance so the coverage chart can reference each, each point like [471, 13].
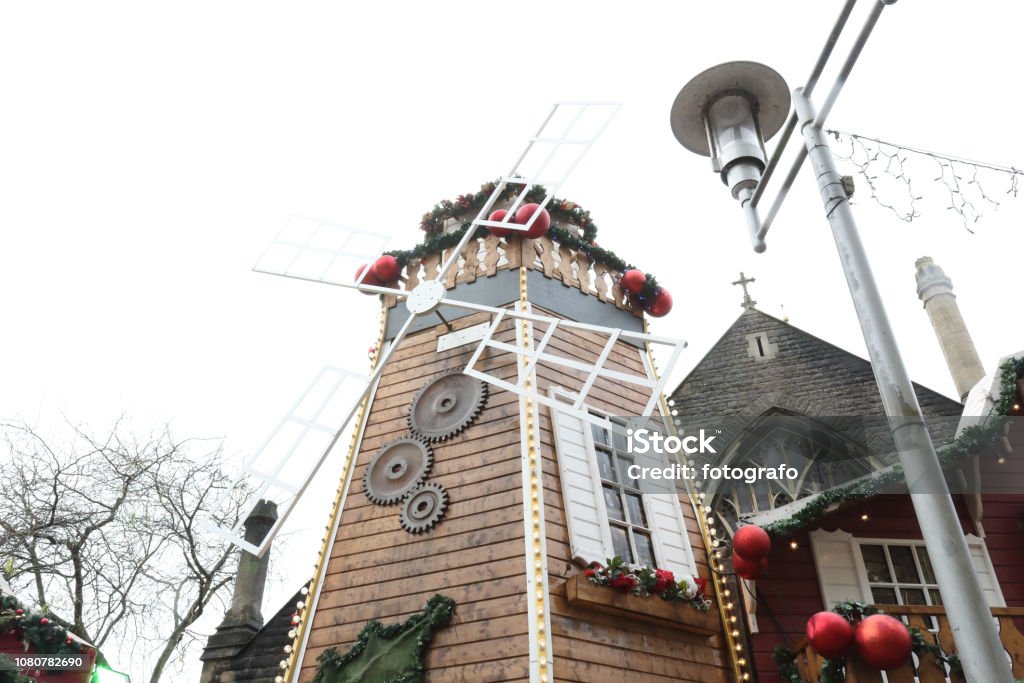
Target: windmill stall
[486, 471]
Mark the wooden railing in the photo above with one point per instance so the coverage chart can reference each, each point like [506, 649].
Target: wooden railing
[934, 625]
[484, 257]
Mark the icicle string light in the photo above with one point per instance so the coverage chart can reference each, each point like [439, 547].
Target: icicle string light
[962, 180]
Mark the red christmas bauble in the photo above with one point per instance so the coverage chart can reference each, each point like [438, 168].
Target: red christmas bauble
[883, 642]
[370, 279]
[386, 268]
[540, 226]
[633, 281]
[497, 216]
[745, 569]
[830, 634]
[660, 305]
[44, 621]
[752, 542]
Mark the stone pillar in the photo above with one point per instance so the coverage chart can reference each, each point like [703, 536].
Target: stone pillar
[243, 618]
[936, 292]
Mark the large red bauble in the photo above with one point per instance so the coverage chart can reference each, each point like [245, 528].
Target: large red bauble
[497, 216]
[745, 569]
[752, 542]
[540, 226]
[660, 305]
[633, 281]
[386, 268]
[830, 634]
[370, 279]
[883, 642]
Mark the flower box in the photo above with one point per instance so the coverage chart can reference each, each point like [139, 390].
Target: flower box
[580, 592]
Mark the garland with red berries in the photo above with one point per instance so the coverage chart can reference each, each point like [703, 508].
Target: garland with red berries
[832, 671]
[40, 634]
[571, 226]
[647, 581]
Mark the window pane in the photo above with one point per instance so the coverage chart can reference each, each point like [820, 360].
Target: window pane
[604, 464]
[744, 499]
[903, 565]
[620, 543]
[761, 495]
[619, 439]
[599, 434]
[644, 549]
[878, 569]
[613, 503]
[883, 596]
[934, 595]
[624, 477]
[635, 507]
[926, 564]
[913, 596]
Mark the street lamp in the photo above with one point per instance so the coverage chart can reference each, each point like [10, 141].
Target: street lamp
[727, 112]
[735, 106]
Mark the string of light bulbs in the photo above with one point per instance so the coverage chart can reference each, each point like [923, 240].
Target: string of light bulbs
[963, 180]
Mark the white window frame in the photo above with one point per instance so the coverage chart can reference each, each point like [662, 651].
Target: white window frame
[681, 569]
[599, 483]
[839, 538]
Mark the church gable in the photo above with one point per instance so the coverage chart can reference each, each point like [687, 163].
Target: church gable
[761, 363]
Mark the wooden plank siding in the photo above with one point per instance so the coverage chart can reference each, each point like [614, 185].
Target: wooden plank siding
[474, 555]
[588, 645]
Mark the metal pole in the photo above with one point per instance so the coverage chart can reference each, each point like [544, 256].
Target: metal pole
[973, 628]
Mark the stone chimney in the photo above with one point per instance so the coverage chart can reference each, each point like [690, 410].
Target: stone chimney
[243, 618]
[936, 292]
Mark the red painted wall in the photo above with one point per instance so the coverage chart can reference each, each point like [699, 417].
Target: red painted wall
[788, 593]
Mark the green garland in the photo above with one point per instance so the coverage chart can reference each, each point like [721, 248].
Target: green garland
[974, 441]
[41, 633]
[381, 651]
[833, 670]
[579, 237]
[646, 581]
[9, 672]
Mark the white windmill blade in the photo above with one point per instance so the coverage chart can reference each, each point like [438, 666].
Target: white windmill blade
[567, 134]
[597, 368]
[563, 139]
[314, 250]
[283, 466]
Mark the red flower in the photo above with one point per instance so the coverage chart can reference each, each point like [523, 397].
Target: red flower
[589, 573]
[702, 585]
[623, 582]
[663, 579]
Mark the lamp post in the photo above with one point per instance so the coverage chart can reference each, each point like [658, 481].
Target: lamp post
[726, 112]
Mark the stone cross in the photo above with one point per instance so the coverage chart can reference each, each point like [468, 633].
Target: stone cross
[743, 282]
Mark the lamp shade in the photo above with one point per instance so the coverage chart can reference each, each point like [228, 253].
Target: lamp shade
[762, 86]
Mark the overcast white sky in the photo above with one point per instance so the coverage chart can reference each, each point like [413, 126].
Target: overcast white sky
[149, 152]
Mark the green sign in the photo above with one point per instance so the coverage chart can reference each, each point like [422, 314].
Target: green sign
[105, 675]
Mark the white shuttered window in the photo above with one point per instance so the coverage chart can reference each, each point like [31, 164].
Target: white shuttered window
[888, 571]
[606, 514]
